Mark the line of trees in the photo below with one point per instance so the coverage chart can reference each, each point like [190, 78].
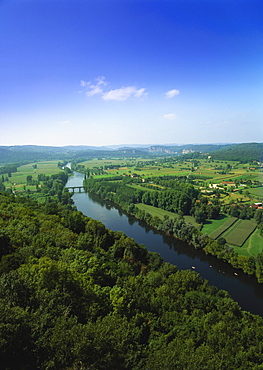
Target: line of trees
[9, 168]
[185, 231]
[180, 199]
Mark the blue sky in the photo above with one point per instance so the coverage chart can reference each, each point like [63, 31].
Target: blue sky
[102, 72]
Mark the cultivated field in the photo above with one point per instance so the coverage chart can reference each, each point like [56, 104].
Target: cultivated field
[239, 232]
[205, 173]
[18, 180]
[252, 246]
[236, 184]
[223, 228]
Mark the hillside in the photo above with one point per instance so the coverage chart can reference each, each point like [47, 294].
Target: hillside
[26, 154]
[243, 153]
[75, 295]
[34, 153]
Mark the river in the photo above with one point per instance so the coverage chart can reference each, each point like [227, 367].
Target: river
[242, 288]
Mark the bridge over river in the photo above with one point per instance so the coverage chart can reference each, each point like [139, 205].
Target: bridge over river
[85, 188]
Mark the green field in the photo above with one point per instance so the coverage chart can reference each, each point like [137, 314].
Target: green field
[207, 172]
[252, 246]
[239, 232]
[214, 228]
[18, 179]
[256, 192]
[215, 234]
[243, 236]
[141, 187]
[253, 243]
[154, 211]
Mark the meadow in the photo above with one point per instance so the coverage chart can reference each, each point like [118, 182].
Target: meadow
[252, 246]
[154, 211]
[18, 180]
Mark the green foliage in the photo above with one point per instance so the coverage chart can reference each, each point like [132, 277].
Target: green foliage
[259, 216]
[241, 152]
[75, 295]
[178, 199]
[8, 168]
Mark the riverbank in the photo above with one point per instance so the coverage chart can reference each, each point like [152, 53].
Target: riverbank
[178, 228]
[245, 290]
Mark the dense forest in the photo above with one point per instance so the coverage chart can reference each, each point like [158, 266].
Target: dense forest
[75, 295]
[243, 153]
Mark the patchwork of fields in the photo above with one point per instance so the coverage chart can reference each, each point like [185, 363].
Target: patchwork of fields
[18, 180]
[222, 229]
[242, 235]
[235, 231]
[206, 168]
[238, 232]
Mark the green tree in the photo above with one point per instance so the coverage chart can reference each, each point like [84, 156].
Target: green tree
[259, 216]
[29, 179]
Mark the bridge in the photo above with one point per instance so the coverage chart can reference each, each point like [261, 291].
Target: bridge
[85, 188]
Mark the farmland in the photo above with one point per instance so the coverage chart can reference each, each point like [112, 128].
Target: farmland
[219, 230]
[229, 181]
[18, 180]
[232, 183]
[239, 232]
[204, 172]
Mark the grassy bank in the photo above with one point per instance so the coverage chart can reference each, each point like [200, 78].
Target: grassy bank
[154, 211]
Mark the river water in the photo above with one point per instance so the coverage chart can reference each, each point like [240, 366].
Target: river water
[245, 290]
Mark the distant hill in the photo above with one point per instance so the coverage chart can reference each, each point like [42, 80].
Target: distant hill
[52, 149]
[86, 147]
[247, 152]
[181, 149]
[25, 154]
[34, 153]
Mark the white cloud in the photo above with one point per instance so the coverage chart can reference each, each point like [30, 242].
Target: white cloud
[171, 93]
[94, 90]
[124, 93]
[98, 88]
[83, 83]
[170, 116]
[101, 81]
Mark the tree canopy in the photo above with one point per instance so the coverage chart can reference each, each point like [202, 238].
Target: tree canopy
[75, 295]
